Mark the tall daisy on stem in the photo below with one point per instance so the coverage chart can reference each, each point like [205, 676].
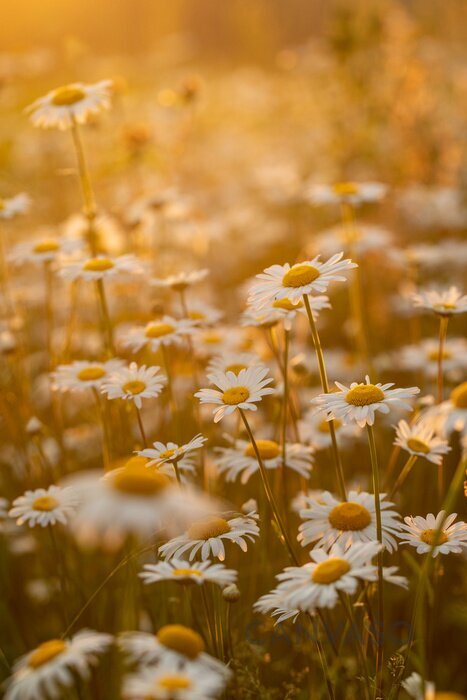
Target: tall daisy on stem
[360, 402]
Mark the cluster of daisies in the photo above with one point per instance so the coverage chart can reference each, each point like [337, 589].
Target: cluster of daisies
[175, 505]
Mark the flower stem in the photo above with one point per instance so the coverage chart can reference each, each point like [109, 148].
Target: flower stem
[272, 503]
[141, 426]
[325, 388]
[443, 329]
[322, 658]
[105, 431]
[106, 322]
[357, 639]
[379, 533]
[403, 475]
[86, 187]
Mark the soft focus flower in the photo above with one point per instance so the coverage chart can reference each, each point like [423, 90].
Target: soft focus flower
[419, 439]
[134, 383]
[242, 390]
[182, 571]
[45, 506]
[69, 104]
[444, 303]
[421, 533]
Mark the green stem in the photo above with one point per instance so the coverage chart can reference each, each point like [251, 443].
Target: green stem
[141, 426]
[106, 322]
[322, 659]
[357, 640]
[86, 187]
[443, 329]
[406, 469]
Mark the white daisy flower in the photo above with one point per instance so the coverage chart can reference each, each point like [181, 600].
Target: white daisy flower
[413, 686]
[12, 206]
[284, 310]
[275, 604]
[182, 571]
[168, 456]
[45, 506]
[165, 331]
[53, 665]
[42, 250]
[132, 500]
[82, 374]
[236, 391]
[134, 383]
[457, 410]
[208, 535]
[170, 682]
[329, 521]
[203, 314]
[309, 277]
[70, 104]
[354, 193]
[181, 281]
[101, 267]
[419, 439]
[175, 644]
[314, 429]
[361, 401]
[232, 362]
[390, 575]
[444, 303]
[424, 356]
[360, 239]
[219, 340]
[240, 460]
[421, 533]
[317, 584]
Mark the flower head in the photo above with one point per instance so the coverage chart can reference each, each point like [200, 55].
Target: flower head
[242, 390]
[167, 681]
[165, 331]
[240, 460]
[180, 281]
[419, 439]
[69, 104]
[45, 506]
[12, 206]
[444, 303]
[182, 571]
[421, 533]
[101, 267]
[354, 193]
[134, 383]
[83, 374]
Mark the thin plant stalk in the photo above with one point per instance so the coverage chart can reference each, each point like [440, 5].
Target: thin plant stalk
[357, 640]
[141, 426]
[106, 322]
[105, 431]
[443, 329]
[322, 659]
[89, 201]
[406, 469]
[379, 632]
[49, 314]
[325, 388]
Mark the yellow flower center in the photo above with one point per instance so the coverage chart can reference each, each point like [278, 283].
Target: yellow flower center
[2, 204]
[418, 446]
[433, 355]
[428, 537]
[345, 188]
[268, 449]
[182, 639]
[349, 516]
[137, 480]
[299, 275]
[174, 683]
[166, 454]
[459, 396]
[186, 572]
[179, 286]
[46, 652]
[89, 374]
[236, 368]
[211, 338]
[445, 306]
[330, 570]
[207, 528]
[67, 95]
[157, 330]
[323, 426]
[98, 265]
[45, 503]
[135, 386]
[287, 304]
[196, 315]
[364, 395]
[46, 246]
[235, 395]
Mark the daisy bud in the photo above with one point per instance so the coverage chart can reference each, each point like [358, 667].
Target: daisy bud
[34, 426]
[231, 593]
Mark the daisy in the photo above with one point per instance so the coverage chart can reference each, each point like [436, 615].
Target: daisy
[134, 383]
[175, 644]
[181, 281]
[240, 460]
[236, 391]
[314, 429]
[207, 536]
[172, 454]
[45, 506]
[424, 356]
[101, 267]
[444, 303]
[82, 374]
[70, 104]
[457, 410]
[354, 193]
[232, 362]
[182, 571]
[309, 277]
[216, 341]
[169, 682]
[132, 500]
[421, 533]
[165, 331]
[414, 686]
[53, 666]
[318, 583]
[361, 401]
[419, 439]
[329, 521]
[360, 239]
[12, 206]
[203, 314]
[275, 604]
[42, 250]
[285, 310]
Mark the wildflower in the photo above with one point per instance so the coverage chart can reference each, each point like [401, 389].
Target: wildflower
[182, 571]
[360, 402]
[70, 104]
[208, 535]
[45, 506]
[202, 314]
[83, 374]
[236, 391]
[314, 429]
[181, 281]
[43, 250]
[53, 665]
[421, 533]
[329, 521]
[354, 193]
[168, 682]
[359, 238]
[12, 206]
[424, 356]
[165, 331]
[171, 453]
[275, 604]
[101, 267]
[414, 686]
[308, 277]
[240, 460]
[134, 383]
[444, 303]
[419, 439]
[232, 362]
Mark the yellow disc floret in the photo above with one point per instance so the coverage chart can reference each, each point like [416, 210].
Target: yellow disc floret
[134, 386]
[268, 449]
[46, 652]
[364, 395]
[45, 503]
[428, 537]
[89, 374]
[182, 639]
[330, 570]
[158, 330]
[67, 96]
[459, 396]
[417, 445]
[48, 245]
[98, 265]
[299, 275]
[137, 480]
[349, 516]
[207, 528]
[235, 395]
